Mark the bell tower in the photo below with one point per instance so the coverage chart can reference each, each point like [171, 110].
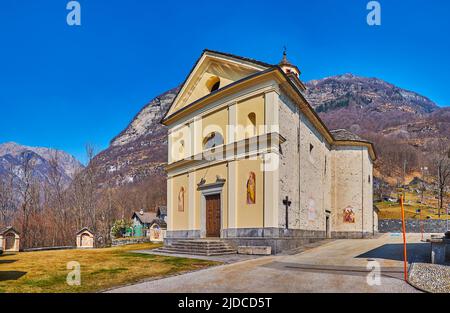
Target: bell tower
[288, 67]
[291, 71]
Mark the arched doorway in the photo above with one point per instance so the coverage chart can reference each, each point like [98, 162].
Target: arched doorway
[10, 242]
[86, 240]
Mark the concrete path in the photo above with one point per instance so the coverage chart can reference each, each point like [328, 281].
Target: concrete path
[337, 266]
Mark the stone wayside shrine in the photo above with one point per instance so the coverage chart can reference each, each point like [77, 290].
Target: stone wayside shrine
[158, 230]
[250, 163]
[85, 239]
[9, 240]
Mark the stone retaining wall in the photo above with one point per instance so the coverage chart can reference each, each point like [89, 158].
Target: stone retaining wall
[412, 226]
[129, 241]
[49, 248]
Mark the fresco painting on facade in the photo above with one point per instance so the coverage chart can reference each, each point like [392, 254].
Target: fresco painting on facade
[312, 214]
[181, 200]
[349, 215]
[251, 188]
[155, 233]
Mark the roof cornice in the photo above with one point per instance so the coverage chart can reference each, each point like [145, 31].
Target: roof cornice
[359, 143]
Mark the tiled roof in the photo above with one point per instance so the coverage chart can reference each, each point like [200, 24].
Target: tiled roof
[240, 58]
[84, 229]
[343, 134]
[160, 222]
[145, 217]
[6, 229]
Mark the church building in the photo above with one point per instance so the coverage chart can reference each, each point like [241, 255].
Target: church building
[251, 163]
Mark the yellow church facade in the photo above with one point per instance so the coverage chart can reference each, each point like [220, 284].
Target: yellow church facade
[250, 162]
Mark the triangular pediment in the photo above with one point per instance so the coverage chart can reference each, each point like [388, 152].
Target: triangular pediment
[213, 69]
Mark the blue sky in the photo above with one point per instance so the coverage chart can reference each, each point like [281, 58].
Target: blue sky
[64, 86]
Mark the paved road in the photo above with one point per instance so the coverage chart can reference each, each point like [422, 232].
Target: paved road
[337, 266]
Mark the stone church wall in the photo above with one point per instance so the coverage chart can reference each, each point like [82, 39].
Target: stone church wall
[307, 149]
[353, 213]
[289, 163]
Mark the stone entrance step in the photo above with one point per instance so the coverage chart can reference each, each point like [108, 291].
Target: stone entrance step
[198, 247]
[307, 246]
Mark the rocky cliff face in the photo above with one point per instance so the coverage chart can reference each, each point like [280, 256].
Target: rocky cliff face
[139, 151]
[403, 124]
[326, 94]
[350, 101]
[146, 122]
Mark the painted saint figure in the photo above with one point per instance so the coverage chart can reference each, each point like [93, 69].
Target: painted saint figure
[349, 215]
[312, 214]
[181, 200]
[251, 188]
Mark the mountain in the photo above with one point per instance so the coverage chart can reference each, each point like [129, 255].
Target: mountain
[12, 156]
[140, 150]
[403, 125]
[349, 101]
[395, 119]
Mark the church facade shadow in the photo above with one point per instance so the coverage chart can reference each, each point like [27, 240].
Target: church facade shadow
[417, 252]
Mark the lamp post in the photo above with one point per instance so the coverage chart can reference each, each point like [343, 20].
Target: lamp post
[423, 169]
[419, 211]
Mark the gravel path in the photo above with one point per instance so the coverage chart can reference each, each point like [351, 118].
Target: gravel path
[430, 277]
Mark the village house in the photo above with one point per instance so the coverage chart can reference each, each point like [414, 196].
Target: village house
[143, 221]
[251, 163]
[161, 212]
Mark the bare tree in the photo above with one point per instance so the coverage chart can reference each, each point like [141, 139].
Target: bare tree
[7, 203]
[84, 193]
[57, 203]
[441, 161]
[27, 193]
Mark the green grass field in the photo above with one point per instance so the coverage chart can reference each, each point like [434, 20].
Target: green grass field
[101, 269]
[390, 210]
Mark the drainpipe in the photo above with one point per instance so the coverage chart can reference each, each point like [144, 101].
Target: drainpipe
[362, 192]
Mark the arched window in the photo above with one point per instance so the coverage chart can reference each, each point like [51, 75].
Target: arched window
[215, 86]
[181, 147]
[214, 139]
[213, 83]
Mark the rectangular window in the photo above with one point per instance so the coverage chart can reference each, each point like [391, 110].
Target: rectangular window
[311, 154]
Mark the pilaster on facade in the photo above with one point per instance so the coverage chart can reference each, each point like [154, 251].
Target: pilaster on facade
[170, 204]
[271, 109]
[271, 172]
[232, 194]
[191, 207]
